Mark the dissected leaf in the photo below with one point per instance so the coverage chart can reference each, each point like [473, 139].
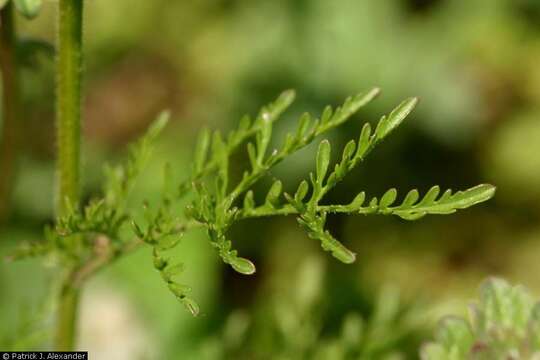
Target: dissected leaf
[445, 205]
[216, 205]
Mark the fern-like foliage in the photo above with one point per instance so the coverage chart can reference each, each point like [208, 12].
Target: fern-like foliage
[217, 204]
[504, 324]
[88, 238]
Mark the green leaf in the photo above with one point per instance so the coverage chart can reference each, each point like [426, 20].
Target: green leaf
[245, 123]
[395, 118]
[201, 150]
[411, 198]
[272, 198]
[28, 8]
[221, 155]
[340, 252]
[326, 114]
[243, 266]
[217, 210]
[252, 153]
[179, 290]
[363, 99]
[388, 199]
[302, 191]
[314, 224]
[323, 159]
[344, 112]
[284, 100]
[215, 207]
[249, 203]
[358, 200]
[447, 204]
[191, 306]
[401, 112]
[348, 151]
[303, 126]
[174, 270]
[364, 141]
[431, 195]
[263, 137]
[158, 125]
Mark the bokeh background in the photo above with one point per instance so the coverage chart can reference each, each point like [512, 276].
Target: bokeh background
[474, 65]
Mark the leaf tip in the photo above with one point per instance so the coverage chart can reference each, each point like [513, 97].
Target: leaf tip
[160, 122]
[376, 91]
[243, 266]
[409, 105]
[289, 94]
[191, 306]
[490, 190]
[347, 257]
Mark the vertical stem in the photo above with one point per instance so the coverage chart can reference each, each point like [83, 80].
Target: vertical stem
[68, 105]
[67, 317]
[10, 107]
[68, 123]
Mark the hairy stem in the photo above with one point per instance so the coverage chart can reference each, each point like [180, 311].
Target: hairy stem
[68, 123]
[10, 107]
[68, 105]
[67, 316]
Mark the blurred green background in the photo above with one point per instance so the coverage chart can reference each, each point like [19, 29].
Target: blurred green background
[475, 66]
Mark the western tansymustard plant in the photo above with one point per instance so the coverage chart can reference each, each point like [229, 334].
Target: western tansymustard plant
[87, 237]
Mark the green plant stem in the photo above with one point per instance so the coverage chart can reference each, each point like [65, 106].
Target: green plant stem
[68, 106]
[10, 107]
[68, 123]
[67, 317]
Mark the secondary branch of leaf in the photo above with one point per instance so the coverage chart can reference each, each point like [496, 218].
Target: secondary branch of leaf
[263, 211]
[299, 143]
[275, 158]
[231, 147]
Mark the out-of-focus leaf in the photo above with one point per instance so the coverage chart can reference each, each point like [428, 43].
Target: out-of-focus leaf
[28, 8]
[30, 49]
[504, 325]
[3, 3]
